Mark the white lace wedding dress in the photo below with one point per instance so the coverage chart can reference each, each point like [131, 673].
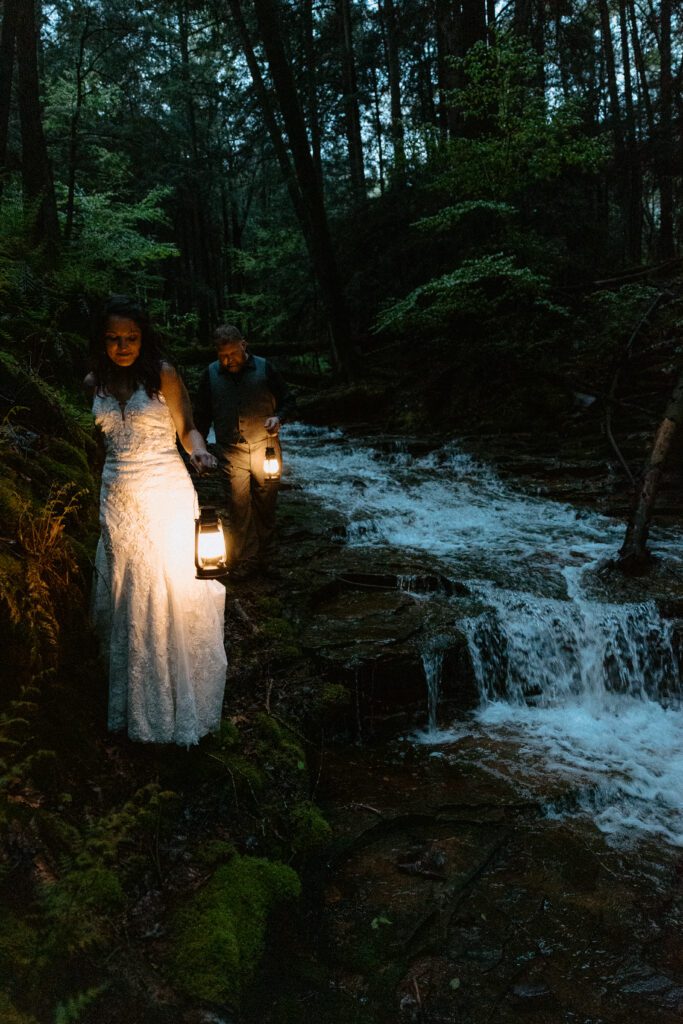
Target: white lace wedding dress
[161, 629]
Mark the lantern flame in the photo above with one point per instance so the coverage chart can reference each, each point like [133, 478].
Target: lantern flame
[271, 465]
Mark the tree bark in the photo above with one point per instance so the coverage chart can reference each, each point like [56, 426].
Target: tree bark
[312, 208]
[73, 134]
[311, 80]
[268, 112]
[667, 247]
[35, 167]
[634, 228]
[387, 12]
[351, 106]
[7, 41]
[459, 27]
[634, 550]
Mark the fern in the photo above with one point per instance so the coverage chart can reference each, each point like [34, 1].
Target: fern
[70, 1011]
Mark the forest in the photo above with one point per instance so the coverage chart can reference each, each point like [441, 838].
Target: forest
[441, 220]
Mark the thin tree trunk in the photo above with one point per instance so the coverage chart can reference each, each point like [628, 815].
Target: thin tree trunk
[268, 112]
[351, 105]
[667, 248]
[634, 231]
[640, 68]
[378, 129]
[7, 41]
[35, 166]
[634, 551]
[311, 80]
[388, 19]
[314, 222]
[73, 135]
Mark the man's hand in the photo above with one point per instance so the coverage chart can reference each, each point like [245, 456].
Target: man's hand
[272, 424]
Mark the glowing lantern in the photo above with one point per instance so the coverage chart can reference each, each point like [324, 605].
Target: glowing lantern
[210, 555]
[271, 465]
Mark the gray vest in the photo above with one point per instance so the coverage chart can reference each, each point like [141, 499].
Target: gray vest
[241, 403]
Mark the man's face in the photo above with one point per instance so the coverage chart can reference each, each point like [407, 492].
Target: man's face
[232, 355]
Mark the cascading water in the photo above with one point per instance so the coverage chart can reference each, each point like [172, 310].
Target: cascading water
[432, 662]
[587, 683]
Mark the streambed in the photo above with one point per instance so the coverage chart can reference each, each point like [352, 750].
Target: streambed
[517, 855]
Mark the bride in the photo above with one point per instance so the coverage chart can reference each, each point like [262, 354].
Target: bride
[161, 629]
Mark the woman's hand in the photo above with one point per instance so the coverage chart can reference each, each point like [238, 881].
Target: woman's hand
[203, 461]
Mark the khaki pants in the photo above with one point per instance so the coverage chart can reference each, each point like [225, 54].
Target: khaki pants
[251, 501]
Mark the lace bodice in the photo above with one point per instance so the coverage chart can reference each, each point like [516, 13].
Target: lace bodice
[141, 428]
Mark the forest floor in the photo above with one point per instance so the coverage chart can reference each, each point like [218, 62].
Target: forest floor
[432, 890]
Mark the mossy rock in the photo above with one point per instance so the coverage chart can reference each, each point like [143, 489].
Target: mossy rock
[311, 833]
[219, 934]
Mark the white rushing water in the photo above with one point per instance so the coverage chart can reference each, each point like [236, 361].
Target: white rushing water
[586, 685]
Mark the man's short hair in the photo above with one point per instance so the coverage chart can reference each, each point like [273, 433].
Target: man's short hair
[226, 333]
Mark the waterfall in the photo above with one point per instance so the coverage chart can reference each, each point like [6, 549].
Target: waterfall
[579, 675]
[432, 662]
[545, 651]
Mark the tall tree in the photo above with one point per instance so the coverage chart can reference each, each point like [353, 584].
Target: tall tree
[36, 173]
[387, 11]
[315, 224]
[352, 125]
[664, 141]
[7, 41]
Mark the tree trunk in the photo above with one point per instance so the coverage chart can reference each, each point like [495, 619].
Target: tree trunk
[377, 111]
[73, 135]
[312, 207]
[387, 12]
[634, 551]
[351, 106]
[634, 226]
[311, 80]
[459, 27]
[620, 151]
[667, 249]
[268, 112]
[7, 40]
[35, 166]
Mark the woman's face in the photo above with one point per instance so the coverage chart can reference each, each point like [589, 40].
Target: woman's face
[122, 340]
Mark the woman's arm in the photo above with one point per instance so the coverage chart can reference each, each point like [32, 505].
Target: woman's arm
[178, 402]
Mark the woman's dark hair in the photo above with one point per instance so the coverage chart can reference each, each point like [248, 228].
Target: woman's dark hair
[146, 369]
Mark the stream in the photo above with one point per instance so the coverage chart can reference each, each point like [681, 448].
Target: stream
[574, 667]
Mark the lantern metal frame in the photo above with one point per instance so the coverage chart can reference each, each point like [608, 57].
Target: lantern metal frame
[209, 517]
[271, 454]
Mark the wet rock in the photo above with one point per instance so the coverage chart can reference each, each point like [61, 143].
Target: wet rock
[530, 996]
[372, 640]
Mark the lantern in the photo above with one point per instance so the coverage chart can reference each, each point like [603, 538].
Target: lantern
[271, 465]
[210, 555]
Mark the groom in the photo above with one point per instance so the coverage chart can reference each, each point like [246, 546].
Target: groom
[247, 400]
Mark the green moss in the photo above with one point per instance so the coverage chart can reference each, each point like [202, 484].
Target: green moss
[214, 852]
[277, 749]
[9, 1013]
[219, 933]
[311, 832]
[19, 947]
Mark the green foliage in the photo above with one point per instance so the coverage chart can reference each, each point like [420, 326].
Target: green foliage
[218, 936]
[71, 1011]
[80, 904]
[110, 252]
[521, 139]
[479, 290]
[450, 216]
